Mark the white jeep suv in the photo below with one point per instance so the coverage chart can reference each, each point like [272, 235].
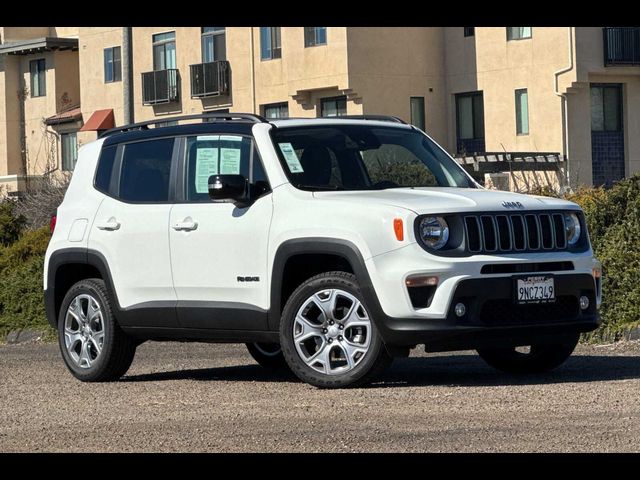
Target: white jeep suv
[326, 245]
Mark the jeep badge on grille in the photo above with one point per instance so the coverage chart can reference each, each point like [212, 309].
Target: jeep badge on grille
[512, 205]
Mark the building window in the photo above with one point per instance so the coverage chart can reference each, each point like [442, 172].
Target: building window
[333, 107]
[270, 46]
[518, 33]
[37, 69]
[522, 112]
[315, 36]
[214, 44]
[276, 110]
[606, 105]
[112, 65]
[417, 112]
[470, 122]
[69, 142]
[469, 31]
[164, 51]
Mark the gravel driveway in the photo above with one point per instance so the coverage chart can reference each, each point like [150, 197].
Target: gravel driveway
[200, 397]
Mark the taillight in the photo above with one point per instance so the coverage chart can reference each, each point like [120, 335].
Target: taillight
[52, 222]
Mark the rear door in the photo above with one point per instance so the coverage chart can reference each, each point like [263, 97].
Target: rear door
[219, 251]
[130, 231]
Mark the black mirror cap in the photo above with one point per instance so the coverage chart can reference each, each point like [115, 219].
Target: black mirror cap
[228, 187]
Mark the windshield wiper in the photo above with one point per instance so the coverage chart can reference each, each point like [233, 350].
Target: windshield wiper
[319, 187]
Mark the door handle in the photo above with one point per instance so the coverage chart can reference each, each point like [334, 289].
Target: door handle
[109, 225]
[186, 225]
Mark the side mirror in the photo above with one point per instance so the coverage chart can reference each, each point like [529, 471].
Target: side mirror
[229, 187]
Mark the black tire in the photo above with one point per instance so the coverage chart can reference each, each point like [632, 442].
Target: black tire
[118, 349]
[539, 359]
[268, 355]
[372, 363]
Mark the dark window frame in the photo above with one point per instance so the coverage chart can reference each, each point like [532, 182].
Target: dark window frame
[469, 31]
[115, 73]
[163, 43]
[41, 74]
[478, 93]
[619, 105]
[311, 36]
[274, 35]
[214, 35]
[422, 111]
[519, 125]
[278, 105]
[324, 101]
[512, 38]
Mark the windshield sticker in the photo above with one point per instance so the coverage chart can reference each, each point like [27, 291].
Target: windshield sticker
[206, 165]
[229, 161]
[230, 138]
[290, 157]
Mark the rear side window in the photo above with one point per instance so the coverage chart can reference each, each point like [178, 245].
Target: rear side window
[145, 171]
[105, 169]
[208, 155]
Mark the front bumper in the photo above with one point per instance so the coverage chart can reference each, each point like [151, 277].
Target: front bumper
[492, 319]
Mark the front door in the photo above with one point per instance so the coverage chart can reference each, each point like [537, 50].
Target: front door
[219, 251]
[130, 231]
[607, 134]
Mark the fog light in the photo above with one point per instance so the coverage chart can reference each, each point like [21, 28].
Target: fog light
[584, 302]
[421, 281]
[461, 309]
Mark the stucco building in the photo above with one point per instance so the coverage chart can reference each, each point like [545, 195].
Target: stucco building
[572, 92]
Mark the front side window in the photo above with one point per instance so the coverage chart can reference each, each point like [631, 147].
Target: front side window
[69, 146]
[164, 51]
[208, 155]
[359, 157]
[145, 171]
[518, 33]
[522, 112]
[214, 44]
[270, 44]
[315, 36]
[276, 110]
[37, 70]
[112, 65]
[333, 107]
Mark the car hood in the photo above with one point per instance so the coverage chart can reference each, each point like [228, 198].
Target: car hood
[422, 200]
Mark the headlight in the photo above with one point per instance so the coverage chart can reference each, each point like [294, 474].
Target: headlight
[434, 232]
[572, 228]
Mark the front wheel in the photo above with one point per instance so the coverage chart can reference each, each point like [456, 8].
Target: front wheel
[327, 336]
[534, 358]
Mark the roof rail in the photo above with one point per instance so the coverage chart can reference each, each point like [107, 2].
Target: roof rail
[215, 116]
[382, 118]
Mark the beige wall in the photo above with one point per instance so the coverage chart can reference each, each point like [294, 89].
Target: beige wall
[389, 65]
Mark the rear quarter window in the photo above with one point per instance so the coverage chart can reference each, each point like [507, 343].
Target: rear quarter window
[104, 170]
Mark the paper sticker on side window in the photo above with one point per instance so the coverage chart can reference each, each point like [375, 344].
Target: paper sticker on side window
[206, 163]
[291, 157]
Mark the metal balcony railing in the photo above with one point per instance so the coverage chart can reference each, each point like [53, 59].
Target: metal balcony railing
[621, 46]
[210, 79]
[160, 86]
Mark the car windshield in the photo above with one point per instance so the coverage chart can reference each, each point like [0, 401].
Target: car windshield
[364, 157]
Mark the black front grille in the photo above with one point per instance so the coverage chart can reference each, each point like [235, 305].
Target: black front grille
[506, 312]
[515, 232]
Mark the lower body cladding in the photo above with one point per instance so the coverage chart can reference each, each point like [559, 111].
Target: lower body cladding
[492, 318]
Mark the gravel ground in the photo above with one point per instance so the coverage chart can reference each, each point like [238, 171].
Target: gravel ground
[200, 397]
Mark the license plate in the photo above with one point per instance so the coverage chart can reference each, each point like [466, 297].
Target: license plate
[535, 289]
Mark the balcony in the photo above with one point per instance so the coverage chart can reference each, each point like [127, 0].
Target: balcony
[210, 79]
[621, 46]
[161, 86]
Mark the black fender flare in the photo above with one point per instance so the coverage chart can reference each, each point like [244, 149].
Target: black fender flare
[320, 245]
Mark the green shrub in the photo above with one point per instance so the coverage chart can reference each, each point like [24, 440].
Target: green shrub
[21, 290]
[11, 224]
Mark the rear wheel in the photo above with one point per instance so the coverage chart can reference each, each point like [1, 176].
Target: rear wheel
[327, 336]
[531, 359]
[93, 346]
[269, 355]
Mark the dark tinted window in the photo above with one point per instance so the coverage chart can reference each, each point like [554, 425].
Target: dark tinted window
[146, 166]
[105, 168]
[219, 155]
